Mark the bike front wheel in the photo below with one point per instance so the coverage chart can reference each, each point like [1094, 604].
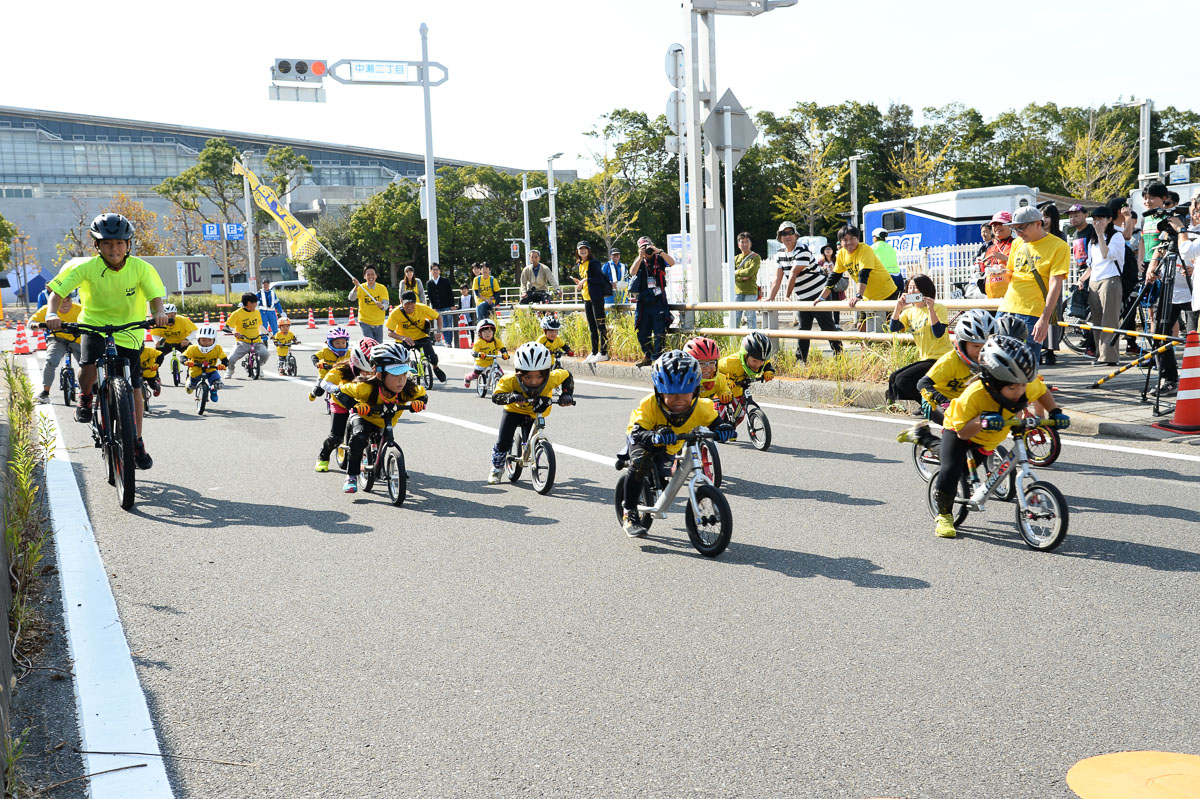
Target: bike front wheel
[711, 530]
[1044, 446]
[201, 396]
[1043, 522]
[123, 437]
[710, 462]
[759, 429]
[67, 383]
[427, 375]
[481, 387]
[395, 476]
[543, 468]
[176, 374]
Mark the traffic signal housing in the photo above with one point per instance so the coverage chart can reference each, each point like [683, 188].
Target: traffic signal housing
[299, 70]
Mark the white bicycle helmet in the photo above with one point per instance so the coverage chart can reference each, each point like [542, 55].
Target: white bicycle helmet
[360, 355]
[482, 323]
[169, 308]
[551, 323]
[206, 331]
[975, 327]
[532, 357]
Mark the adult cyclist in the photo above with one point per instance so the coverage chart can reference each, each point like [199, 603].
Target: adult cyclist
[114, 288]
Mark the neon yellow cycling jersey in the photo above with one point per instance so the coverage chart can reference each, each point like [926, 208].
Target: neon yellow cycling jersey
[112, 296]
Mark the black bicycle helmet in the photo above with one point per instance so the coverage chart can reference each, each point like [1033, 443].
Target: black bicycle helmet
[757, 345]
[1013, 327]
[1004, 361]
[111, 226]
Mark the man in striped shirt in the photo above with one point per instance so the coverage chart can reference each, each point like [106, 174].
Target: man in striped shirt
[805, 284]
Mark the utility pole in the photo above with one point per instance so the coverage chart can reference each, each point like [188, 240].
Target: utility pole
[553, 218]
[250, 267]
[854, 159]
[430, 174]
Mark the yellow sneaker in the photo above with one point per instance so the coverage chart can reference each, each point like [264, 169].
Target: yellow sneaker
[945, 526]
[322, 466]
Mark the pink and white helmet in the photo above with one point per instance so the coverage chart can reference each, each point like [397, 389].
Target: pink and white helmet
[360, 355]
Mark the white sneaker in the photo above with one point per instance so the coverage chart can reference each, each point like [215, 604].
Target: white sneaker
[494, 477]
[590, 359]
[603, 356]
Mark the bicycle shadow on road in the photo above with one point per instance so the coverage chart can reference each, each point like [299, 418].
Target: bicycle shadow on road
[820, 454]
[751, 490]
[1106, 550]
[1113, 471]
[430, 492]
[183, 507]
[862, 572]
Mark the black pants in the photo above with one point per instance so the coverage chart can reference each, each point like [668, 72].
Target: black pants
[824, 320]
[360, 431]
[425, 345]
[509, 422]
[597, 324]
[641, 460]
[953, 457]
[902, 383]
[337, 431]
[1180, 312]
[91, 350]
[652, 327]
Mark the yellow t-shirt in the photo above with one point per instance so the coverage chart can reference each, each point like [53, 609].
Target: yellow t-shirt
[283, 342]
[916, 321]
[974, 401]
[176, 332]
[245, 324]
[339, 374]
[486, 352]
[415, 325]
[717, 387]
[879, 283]
[485, 288]
[648, 416]
[558, 345]
[325, 359]
[583, 273]
[731, 367]
[950, 374]
[350, 394]
[65, 316]
[205, 361]
[368, 312]
[149, 361]
[1048, 256]
[508, 384]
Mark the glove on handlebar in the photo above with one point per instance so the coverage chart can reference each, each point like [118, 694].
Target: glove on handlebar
[992, 420]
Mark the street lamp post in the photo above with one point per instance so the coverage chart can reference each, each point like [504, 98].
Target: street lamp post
[553, 218]
[1146, 111]
[250, 268]
[854, 159]
[430, 175]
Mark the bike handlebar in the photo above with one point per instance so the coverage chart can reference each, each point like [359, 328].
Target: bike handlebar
[105, 330]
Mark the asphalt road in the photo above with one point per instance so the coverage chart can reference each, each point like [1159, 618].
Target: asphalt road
[488, 641]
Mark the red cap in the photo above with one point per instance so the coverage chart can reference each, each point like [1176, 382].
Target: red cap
[1001, 218]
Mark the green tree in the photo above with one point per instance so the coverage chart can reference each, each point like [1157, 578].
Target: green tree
[814, 195]
[8, 231]
[612, 215]
[148, 241]
[1099, 166]
[919, 171]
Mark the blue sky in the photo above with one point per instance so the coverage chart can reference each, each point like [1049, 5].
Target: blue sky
[528, 77]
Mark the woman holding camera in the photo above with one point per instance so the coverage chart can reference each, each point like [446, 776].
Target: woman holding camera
[917, 312]
[1105, 256]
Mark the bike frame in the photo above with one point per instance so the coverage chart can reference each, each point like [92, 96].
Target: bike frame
[1018, 458]
[692, 476]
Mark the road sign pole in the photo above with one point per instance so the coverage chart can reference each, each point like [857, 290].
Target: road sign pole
[249, 223]
[430, 174]
[727, 113]
[525, 204]
[225, 259]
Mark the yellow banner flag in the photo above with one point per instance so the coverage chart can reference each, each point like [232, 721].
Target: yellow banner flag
[304, 241]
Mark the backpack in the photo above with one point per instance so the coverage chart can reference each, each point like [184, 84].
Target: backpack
[1129, 272]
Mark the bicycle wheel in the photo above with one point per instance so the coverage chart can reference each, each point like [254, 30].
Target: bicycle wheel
[291, 367]
[427, 374]
[481, 384]
[146, 395]
[710, 533]
[1044, 446]
[512, 463]
[1044, 525]
[1006, 489]
[759, 429]
[1074, 338]
[926, 460]
[370, 466]
[543, 468]
[201, 396]
[67, 384]
[960, 511]
[256, 369]
[395, 475]
[710, 461]
[101, 415]
[124, 436]
[647, 498]
[176, 374]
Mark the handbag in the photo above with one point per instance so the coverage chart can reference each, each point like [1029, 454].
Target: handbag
[1077, 305]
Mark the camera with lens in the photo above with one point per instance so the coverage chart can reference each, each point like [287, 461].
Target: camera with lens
[1180, 213]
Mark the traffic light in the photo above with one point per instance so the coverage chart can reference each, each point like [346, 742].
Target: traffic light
[299, 70]
[515, 249]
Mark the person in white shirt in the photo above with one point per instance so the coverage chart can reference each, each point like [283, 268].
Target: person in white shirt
[1183, 297]
[1105, 256]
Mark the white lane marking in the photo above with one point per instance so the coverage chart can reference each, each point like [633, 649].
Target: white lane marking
[905, 422]
[113, 714]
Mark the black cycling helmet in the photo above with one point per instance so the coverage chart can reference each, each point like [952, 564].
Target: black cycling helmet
[1004, 361]
[111, 226]
[1013, 327]
[757, 345]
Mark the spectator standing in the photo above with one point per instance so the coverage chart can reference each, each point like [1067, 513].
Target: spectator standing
[441, 299]
[1105, 248]
[268, 307]
[466, 305]
[985, 232]
[1039, 264]
[745, 279]
[43, 299]
[1155, 197]
[805, 284]
[593, 287]
[410, 283]
[485, 287]
[887, 255]
[918, 312]
[372, 304]
[536, 280]
[617, 274]
[1051, 221]
[872, 282]
[994, 265]
[649, 272]
[1077, 238]
[1182, 311]
[787, 256]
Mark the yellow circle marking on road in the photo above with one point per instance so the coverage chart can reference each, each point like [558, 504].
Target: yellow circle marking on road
[1136, 775]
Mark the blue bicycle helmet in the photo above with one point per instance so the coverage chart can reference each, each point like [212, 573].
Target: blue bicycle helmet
[676, 372]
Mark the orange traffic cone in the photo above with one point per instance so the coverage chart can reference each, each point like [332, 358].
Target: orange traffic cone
[149, 338]
[206, 318]
[331, 322]
[352, 321]
[464, 341]
[312, 322]
[1187, 401]
[41, 339]
[22, 345]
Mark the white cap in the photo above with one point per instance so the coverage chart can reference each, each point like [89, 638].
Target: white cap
[879, 231]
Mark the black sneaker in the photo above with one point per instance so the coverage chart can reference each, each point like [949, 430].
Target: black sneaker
[83, 413]
[141, 457]
[439, 374]
[45, 395]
